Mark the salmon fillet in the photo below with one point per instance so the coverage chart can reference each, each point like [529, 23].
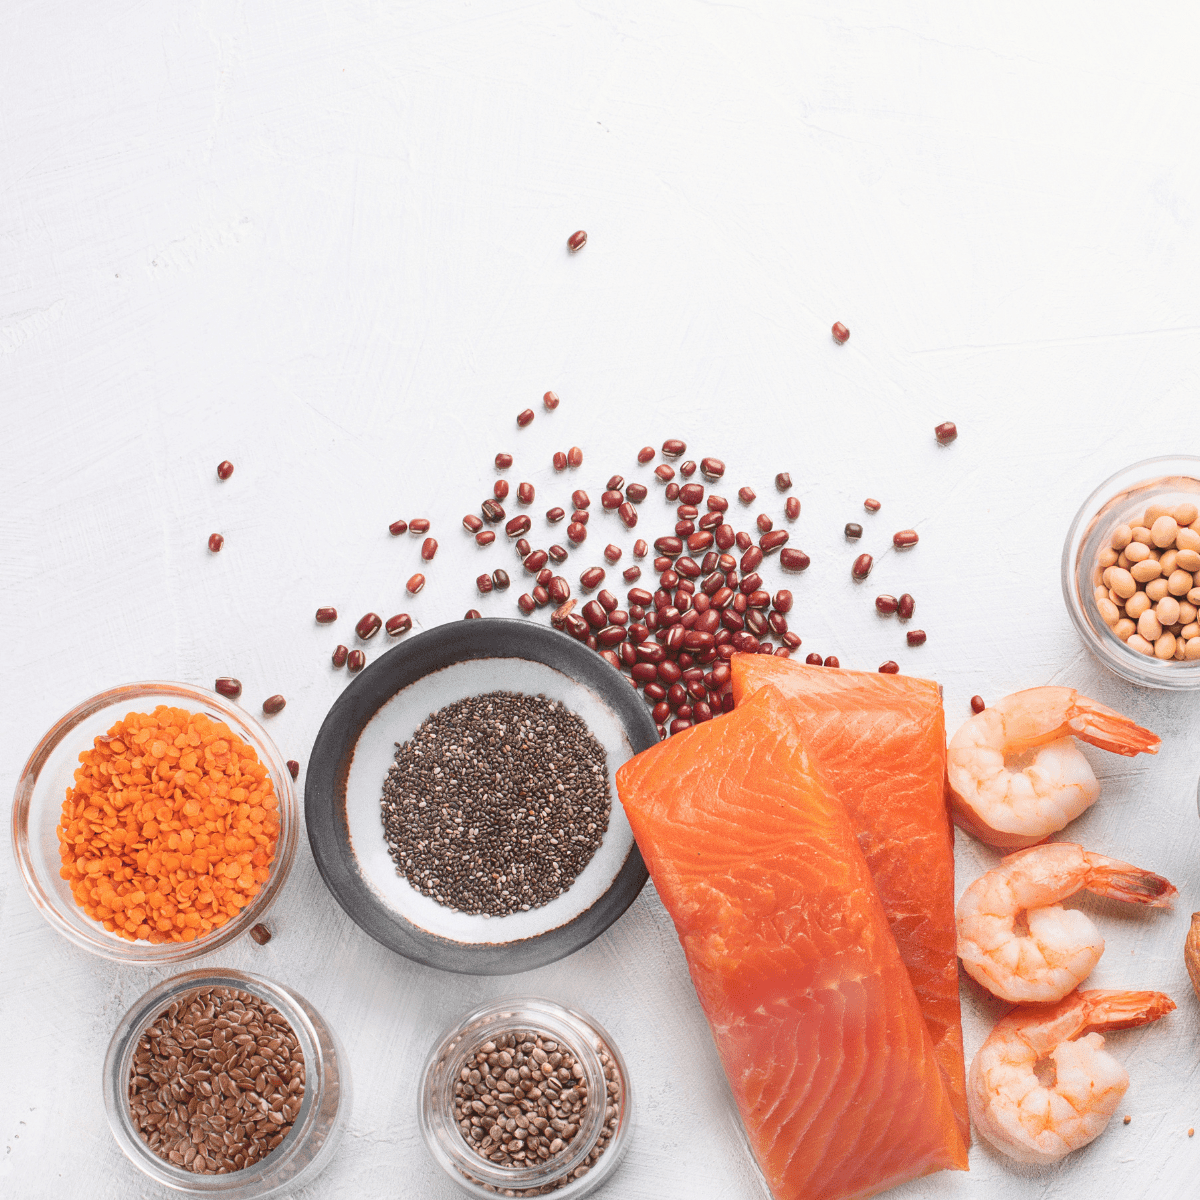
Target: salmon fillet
[811, 1008]
[880, 742]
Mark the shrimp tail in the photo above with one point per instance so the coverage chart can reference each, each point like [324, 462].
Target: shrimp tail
[1111, 1009]
[1110, 877]
[1104, 727]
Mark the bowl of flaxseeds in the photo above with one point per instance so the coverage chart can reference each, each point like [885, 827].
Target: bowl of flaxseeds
[524, 1097]
[461, 799]
[218, 1082]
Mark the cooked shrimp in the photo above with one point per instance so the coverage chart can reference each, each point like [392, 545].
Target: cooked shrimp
[1020, 943]
[1017, 805]
[1037, 1093]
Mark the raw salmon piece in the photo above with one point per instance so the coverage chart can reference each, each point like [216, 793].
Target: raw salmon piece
[880, 742]
[813, 1013]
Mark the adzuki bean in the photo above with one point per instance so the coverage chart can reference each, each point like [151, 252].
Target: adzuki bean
[500, 489]
[671, 492]
[340, 654]
[472, 614]
[792, 508]
[906, 607]
[536, 561]
[554, 515]
[646, 454]
[483, 583]
[592, 577]
[665, 472]
[853, 531]
[215, 542]
[577, 241]
[524, 417]
[518, 525]
[783, 481]
[526, 603]
[355, 661]
[224, 469]
[485, 537]
[946, 432]
[871, 505]
[551, 401]
[905, 538]
[576, 532]
[886, 604]
[862, 566]
[977, 704]
[891, 667]
[429, 549]
[673, 447]
[421, 525]
[688, 469]
[628, 515]
[500, 580]
[636, 492]
[503, 461]
[559, 460]
[400, 623]
[368, 625]
[916, 637]
[523, 548]
[326, 615]
[472, 523]
[228, 686]
[415, 583]
[525, 493]
[575, 457]
[275, 704]
[612, 553]
[558, 553]
[396, 528]
[492, 511]
[841, 335]
[712, 468]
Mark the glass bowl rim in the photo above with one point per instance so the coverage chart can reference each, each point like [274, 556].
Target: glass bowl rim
[149, 953]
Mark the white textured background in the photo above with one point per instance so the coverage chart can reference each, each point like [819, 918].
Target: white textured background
[326, 240]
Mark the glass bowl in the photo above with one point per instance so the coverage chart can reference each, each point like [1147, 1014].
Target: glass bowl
[42, 786]
[324, 1111]
[1169, 480]
[575, 1171]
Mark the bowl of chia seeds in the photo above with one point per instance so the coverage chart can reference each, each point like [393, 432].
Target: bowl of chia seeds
[461, 800]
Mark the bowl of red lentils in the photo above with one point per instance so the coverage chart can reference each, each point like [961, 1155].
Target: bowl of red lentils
[154, 822]
[1131, 572]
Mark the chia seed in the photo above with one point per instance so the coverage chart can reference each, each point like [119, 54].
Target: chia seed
[496, 803]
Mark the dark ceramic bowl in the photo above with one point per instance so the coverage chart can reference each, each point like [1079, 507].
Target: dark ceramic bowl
[355, 748]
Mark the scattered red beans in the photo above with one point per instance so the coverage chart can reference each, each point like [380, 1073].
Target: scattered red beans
[886, 604]
[551, 401]
[576, 532]
[559, 460]
[665, 472]
[500, 580]
[483, 583]
[554, 515]
[646, 454]
[592, 577]
[415, 583]
[640, 549]
[500, 489]
[611, 499]
[368, 625]
[977, 704]
[524, 417]
[946, 432]
[628, 515]
[905, 538]
[673, 447]
[396, 528]
[575, 457]
[523, 548]
[503, 461]
[632, 574]
[339, 655]
[792, 508]
[400, 623]
[862, 566]
[612, 553]
[535, 562]
[525, 493]
[671, 492]
[559, 589]
[228, 686]
[356, 660]
[853, 531]
[224, 469]
[215, 542]
[906, 607]
[747, 495]
[636, 492]
[577, 241]
[526, 603]
[421, 524]
[472, 614]
[485, 537]
[687, 469]
[832, 661]
[540, 595]
[916, 637]
[558, 553]
[294, 771]
[764, 523]
[518, 525]
[891, 667]
[814, 660]
[273, 704]
[712, 468]
[794, 560]
[840, 333]
[773, 540]
[326, 615]
[428, 549]
[492, 511]
[472, 523]
[782, 601]
[871, 505]
[691, 493]
[783, 481]
[717, 504]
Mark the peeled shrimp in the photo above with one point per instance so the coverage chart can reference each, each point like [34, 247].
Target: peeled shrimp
[1037, 1093]
[1020, 943]
[1017, 805]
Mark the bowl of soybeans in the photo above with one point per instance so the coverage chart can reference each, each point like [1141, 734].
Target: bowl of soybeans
[1131, 572]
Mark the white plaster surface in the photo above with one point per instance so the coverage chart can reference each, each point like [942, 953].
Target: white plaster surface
[325, 239]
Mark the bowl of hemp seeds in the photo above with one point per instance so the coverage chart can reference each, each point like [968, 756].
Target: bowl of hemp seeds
[221, 1083]
[524, 1097]
[461, 799]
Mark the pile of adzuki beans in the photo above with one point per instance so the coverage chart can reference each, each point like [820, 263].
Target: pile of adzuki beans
[674, 642]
